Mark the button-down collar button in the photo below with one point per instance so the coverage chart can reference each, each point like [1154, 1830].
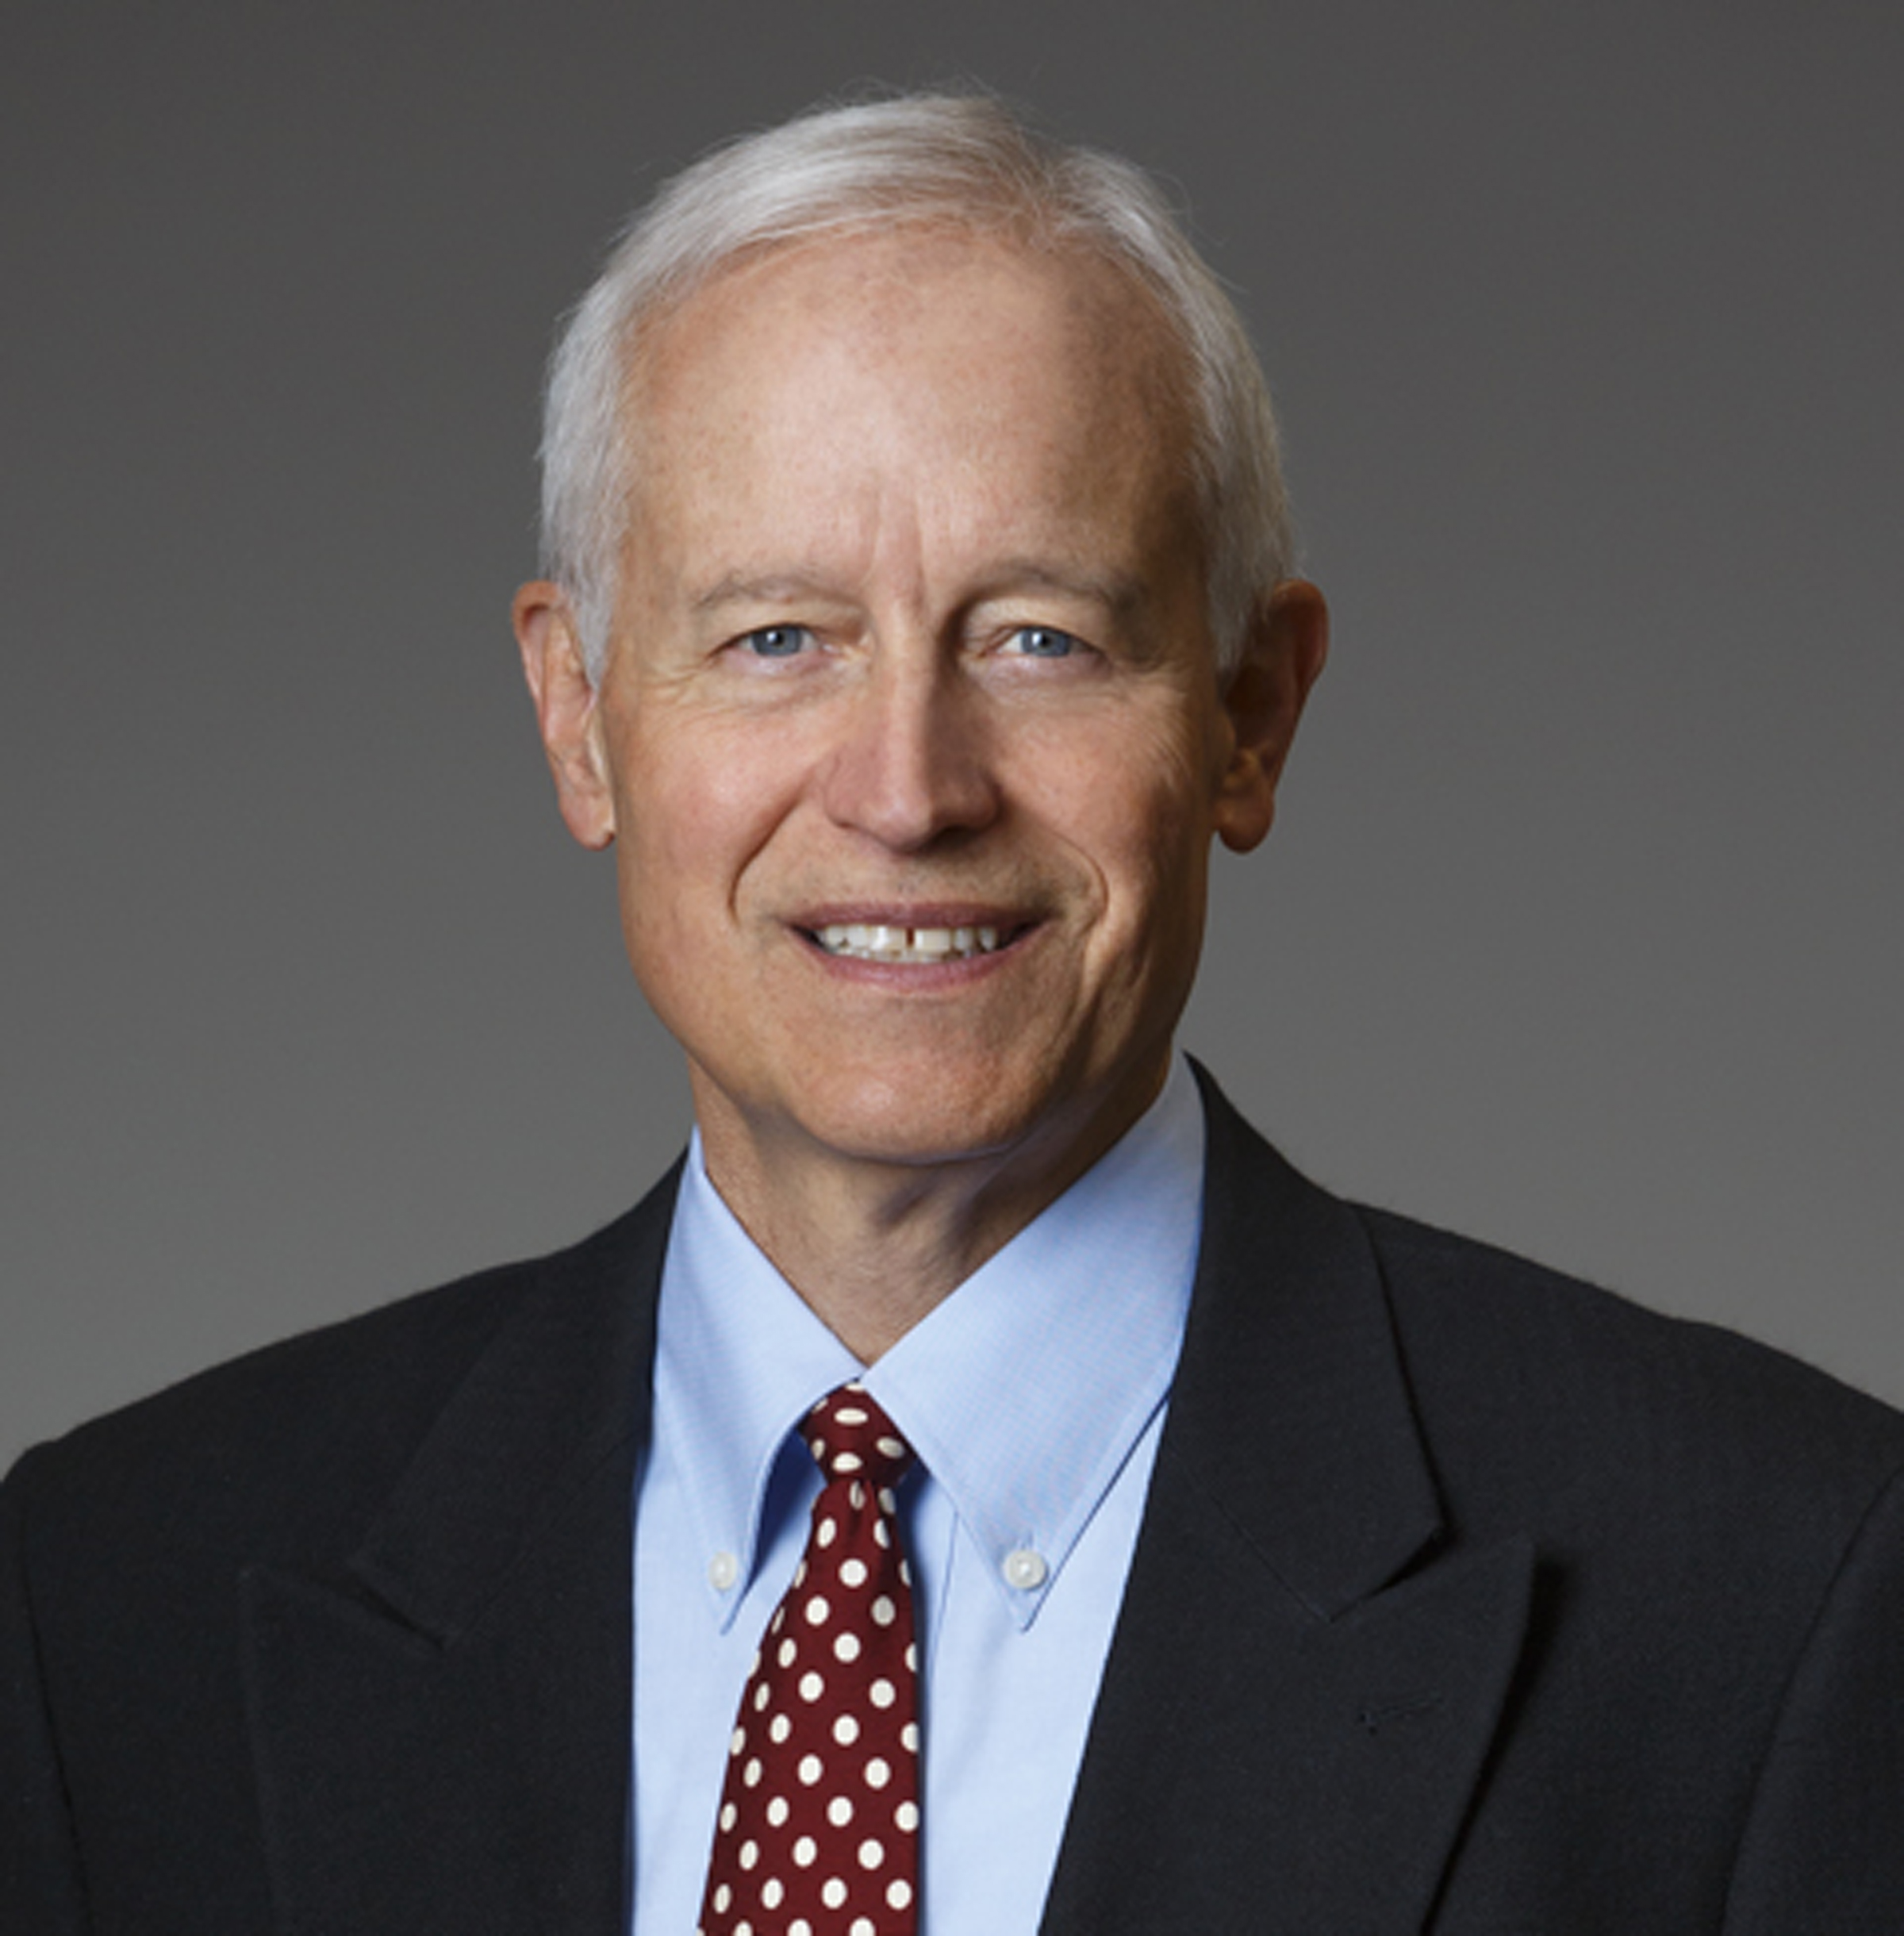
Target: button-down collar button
[723, 1570]
[1025, 1568]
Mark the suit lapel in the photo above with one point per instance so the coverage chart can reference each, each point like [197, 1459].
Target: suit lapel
[441, 1739]
[1298, 1701]
[1304, 1683]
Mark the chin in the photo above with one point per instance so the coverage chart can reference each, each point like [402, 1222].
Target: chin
[923, 1121]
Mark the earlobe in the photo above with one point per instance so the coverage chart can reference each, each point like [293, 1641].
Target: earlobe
[1282, 659]
[566, 710]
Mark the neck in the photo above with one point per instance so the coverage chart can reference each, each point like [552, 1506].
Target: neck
[873, 1245]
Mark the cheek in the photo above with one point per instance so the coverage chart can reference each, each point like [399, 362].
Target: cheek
[1136, 804]
[697, 808]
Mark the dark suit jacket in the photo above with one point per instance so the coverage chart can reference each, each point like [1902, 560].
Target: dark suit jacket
[1467, 1599]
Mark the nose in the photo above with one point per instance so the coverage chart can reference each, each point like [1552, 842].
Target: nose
[912, 762]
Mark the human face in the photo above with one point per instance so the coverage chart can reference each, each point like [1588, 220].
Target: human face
[909, 737]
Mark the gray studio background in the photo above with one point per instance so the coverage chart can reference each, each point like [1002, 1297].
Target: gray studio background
[1580, 929]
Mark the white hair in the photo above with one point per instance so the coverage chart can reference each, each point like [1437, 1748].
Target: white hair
[964, 161]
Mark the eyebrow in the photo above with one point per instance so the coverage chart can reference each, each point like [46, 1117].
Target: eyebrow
[774, 588]
[1117, 592]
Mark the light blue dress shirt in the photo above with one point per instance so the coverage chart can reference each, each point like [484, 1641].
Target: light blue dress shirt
[1033, 1397]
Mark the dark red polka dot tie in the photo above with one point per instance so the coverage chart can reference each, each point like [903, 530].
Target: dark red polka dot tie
[819, 1828]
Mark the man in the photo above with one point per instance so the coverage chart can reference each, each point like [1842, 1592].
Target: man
[919, 611]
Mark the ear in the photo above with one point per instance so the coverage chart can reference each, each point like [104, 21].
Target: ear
[567, 710]
[1282, 659]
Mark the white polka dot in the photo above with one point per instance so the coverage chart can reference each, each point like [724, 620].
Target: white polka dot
[810, 1769]
[899, 1892]
[817, 1611]
[737, 1740]
[850, 1415]
[880, 1537]
[905, 1574]
[845, 1731]
[853, 1573]
[800, 1574]
[723, 1895]
[762, 1695]
[780, 1727]
[789, 1649]
[743, 1928]
[771, 1891]
[749, 1854]
[800, 1927]
[882, 1693]
[825, 1533]
[847, 1646]
[879, 1772]
[893, 1448]
[908, 1737]
[728, 1812]
[863, 1926]
[912, 1657]
[856, 1497]
[804, 1851]
[887, 1502]
[750, 1774]
[884, 1612]
[833, 1892]
[848, 1462]
[839, 1811]
[871, 1854]
[777, 1811]
[811, 1686]
[906, 1815]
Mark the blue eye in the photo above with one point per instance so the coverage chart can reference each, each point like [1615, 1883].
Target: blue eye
[776, 641]
[1043, 642]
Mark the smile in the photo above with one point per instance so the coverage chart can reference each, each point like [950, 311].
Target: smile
[873, 941]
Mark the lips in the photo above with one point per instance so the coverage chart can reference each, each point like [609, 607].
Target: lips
[883, 941]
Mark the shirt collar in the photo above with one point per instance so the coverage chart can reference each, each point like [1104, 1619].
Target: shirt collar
[1023, 1393]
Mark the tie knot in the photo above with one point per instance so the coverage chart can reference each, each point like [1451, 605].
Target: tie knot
[850, 1438]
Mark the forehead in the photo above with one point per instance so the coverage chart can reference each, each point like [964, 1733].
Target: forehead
[959, 354]
[887, 286]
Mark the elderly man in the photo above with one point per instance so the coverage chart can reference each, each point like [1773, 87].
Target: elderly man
[983, 1488]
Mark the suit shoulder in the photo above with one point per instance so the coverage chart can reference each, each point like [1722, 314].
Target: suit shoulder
[330, 1414]
[1558, 1380]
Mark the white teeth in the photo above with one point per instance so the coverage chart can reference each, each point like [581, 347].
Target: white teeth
[874, 941]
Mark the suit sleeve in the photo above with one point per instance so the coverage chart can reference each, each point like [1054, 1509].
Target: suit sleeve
[40, 1884]
[1823, 1851]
